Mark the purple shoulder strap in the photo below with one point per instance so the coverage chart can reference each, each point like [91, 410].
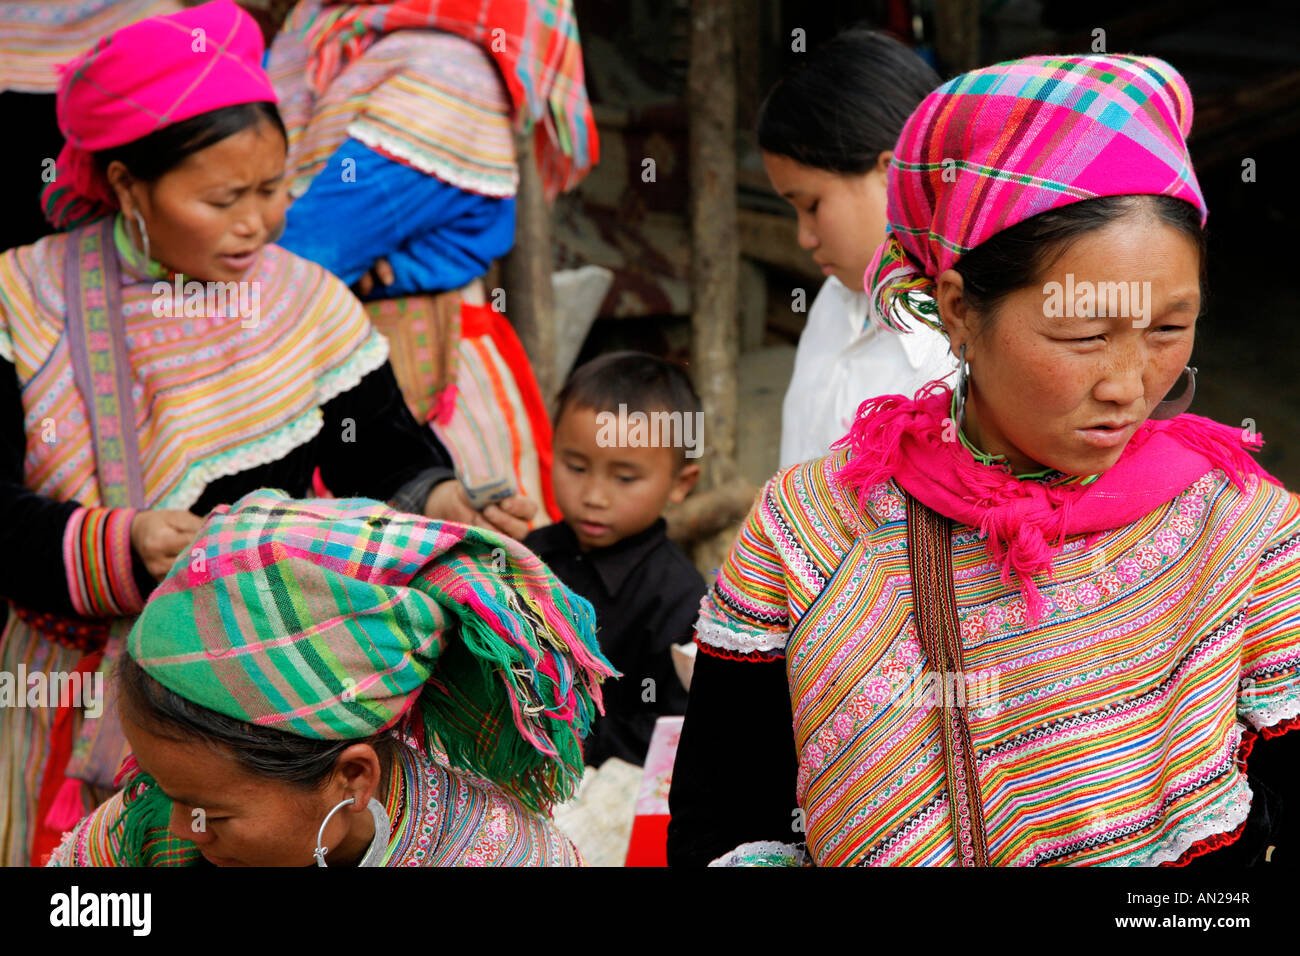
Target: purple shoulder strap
[100, 364]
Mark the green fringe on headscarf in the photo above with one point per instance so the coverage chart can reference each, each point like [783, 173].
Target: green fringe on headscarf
[142, 834]
[467, 706]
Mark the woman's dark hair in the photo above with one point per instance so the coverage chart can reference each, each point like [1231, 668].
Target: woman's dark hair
[149, 157]
[263, 751]
[846, 104]
[1018, 256]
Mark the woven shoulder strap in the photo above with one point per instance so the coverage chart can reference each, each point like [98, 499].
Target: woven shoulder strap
[100, 365]
[929, 555]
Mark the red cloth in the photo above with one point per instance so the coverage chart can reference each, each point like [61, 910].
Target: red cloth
[49, 832]
[143, 78]
[476, 320]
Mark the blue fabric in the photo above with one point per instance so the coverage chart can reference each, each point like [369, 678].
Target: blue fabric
[434, 235]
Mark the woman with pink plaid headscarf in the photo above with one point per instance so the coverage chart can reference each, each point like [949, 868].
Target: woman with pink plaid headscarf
[1040, 618]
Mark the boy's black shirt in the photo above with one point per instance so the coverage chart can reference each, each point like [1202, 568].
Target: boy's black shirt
[647, 596]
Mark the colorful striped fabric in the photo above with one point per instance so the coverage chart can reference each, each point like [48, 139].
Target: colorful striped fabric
[218, 391]
[462, 368]
[440, 817]
[533, 43]
[26, 736]
[1108, 733]
[431, 100]
[97, 556]
[496, 424]
[36, 38]
[998, 145]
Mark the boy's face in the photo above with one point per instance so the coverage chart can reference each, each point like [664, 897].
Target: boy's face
[610, 493]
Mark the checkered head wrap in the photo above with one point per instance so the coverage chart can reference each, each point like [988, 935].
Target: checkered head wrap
[337, 619]
[996, 146]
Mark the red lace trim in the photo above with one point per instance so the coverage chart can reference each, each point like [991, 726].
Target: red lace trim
[756, 657]
[1208, 845]
[1220, 840]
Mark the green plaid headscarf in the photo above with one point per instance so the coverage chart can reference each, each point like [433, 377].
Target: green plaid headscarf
[332, 619]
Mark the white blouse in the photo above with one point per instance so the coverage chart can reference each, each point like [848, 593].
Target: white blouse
[842, 360]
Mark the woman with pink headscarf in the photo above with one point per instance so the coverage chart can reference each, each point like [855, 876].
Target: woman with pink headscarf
[1041, 618]
[159, 357]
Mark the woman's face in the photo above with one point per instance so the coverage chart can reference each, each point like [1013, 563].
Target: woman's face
[238, 819]
[841, 215]
[1056, 381]
[208, 217]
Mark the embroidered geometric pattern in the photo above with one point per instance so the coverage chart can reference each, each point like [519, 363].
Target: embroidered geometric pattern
[1118, 743]
[268, 372]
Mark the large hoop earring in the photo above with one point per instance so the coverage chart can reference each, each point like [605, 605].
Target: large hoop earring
[144, 235]
[1175, 407]
[963, 384]
[378, 845]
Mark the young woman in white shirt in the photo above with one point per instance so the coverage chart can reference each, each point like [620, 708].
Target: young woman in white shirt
[826, 132]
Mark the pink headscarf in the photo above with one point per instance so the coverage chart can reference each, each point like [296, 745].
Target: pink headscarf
[141, 79]
[999, 145]
[985, 151]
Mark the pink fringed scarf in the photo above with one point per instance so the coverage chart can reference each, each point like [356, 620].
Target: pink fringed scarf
[1025, 522]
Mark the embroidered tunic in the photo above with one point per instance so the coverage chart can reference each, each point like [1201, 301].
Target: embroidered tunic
[1111, 732]
[225, 404]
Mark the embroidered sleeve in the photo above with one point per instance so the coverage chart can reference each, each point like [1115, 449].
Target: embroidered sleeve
[97, 560]
[1270, 658]
[765, 853]
[745, 614]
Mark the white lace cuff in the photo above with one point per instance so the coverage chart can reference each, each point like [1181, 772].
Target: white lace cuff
[740, 642]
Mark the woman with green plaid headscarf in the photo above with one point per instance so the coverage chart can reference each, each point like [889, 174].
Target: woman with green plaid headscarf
[339, 681]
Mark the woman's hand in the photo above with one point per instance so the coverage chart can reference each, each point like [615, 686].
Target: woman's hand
[159, 536]
[449, 502]
[381, 272]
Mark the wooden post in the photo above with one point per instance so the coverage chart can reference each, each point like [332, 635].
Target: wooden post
[957, 35]
[526, 273]
[711, 105]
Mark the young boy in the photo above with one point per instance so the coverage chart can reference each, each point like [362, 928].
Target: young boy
[626, 440]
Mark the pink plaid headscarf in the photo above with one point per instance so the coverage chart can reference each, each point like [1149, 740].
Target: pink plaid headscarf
[140, 79]
[985, 151]
[999, 145]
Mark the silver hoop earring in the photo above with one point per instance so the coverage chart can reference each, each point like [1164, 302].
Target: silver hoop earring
[1172, 408]
[963, 383]
[144, 234]
[378, 845]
